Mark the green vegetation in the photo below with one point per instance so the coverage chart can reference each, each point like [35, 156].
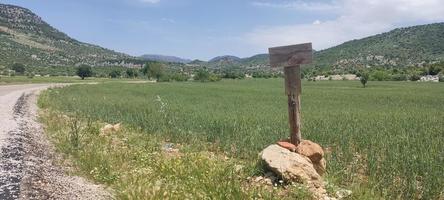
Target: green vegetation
[84, 71]
[154, 70]
[29, 40]
[364, 78]
[385, 141]
[18, 68]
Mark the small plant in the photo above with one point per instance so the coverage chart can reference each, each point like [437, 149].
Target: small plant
[74, 133]
[364, 78]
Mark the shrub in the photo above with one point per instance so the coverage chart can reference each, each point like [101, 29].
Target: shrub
[84, 71]
[441, 78]
[131, 73]
[415, 77]
[115, 74]
[202, 75]
[30, 75]
[153, 70]
[380, 76]
[18, 68]
[214, 78]
[179, 77]
[399, 77]
[364, 78]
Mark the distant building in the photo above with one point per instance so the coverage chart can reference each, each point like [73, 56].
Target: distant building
[349, 77]
[429, 78]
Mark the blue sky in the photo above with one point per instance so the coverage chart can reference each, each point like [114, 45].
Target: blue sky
[202, 29]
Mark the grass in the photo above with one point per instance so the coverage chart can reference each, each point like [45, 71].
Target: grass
[9, 80]
[385, 141]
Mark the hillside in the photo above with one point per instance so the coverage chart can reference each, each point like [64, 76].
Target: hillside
[163, 58]
[401, 47]
[27, 39]
[411, 46]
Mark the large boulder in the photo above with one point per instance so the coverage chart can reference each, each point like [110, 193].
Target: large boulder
[311, 150]
[291, 167]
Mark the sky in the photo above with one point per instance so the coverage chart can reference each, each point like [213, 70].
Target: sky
[203, 29]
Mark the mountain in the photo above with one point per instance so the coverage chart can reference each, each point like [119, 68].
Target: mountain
[258, 59]
[25, 38]
[411, 46]
[163, 58]
[222, 60]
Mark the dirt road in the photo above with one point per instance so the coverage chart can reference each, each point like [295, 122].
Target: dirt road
[27, 160]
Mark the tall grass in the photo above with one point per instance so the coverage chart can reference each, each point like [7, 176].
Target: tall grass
[388, 138]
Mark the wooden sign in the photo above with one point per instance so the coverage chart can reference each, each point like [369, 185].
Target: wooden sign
[291, 57]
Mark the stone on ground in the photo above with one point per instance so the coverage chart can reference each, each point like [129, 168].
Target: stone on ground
[311, 150]
[287, 145]
[293, 167]
[320, 166]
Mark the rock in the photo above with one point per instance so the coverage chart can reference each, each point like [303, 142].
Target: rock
[320, 166]
[116, 127]
[287, 145]
[311, 150]
[343, 193]
[292, 167]
[108, 128]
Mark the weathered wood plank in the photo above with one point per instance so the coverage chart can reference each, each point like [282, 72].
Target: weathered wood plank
[292, 55]
[292, 80]
[293, 89]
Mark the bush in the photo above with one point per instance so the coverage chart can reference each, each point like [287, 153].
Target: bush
[415, 77]
[115, 74]
[30, 75]
[364, 78]
[380, 76]
[131, 73]
[441, 78]
[202, 75]
[179, 77]
[153, 70]
[214, 78]
[84, 71]
[164, 78]
[18, 68]
[399, 77]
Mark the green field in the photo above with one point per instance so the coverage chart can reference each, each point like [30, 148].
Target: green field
[10, 80]
[384, 141]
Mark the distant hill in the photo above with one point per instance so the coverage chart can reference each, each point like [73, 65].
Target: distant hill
[411, 46]
[27, 39]
[163, 58]
[401, 47]
[222, 60]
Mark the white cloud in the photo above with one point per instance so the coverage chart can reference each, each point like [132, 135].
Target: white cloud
[355, 19]
[168, 20]
[150, 1]
[299, 5]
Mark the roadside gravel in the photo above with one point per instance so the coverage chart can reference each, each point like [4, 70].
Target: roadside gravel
[28, 168]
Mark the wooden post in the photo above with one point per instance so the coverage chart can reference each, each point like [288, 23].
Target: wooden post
[291, 57]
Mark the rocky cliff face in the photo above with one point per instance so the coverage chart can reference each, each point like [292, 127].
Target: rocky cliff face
[26, 38]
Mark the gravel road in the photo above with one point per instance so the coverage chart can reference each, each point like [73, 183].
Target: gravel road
[27, 160]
